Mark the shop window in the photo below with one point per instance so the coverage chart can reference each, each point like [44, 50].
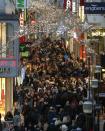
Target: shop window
[2, 40]
[2, 97]
[10, 41]
[6, 44]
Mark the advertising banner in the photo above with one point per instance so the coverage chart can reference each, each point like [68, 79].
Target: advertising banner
[8, 68]
[94, 8]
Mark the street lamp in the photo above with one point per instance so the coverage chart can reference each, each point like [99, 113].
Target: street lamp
[94, 83]
[87, 109]
[98, 107]
[89, 105]
[98, 69]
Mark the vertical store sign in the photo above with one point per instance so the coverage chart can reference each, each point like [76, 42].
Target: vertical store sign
[21, 19]
[83, 52]
[68, 5]
[74, 6]
[82, 47]
[21, 4]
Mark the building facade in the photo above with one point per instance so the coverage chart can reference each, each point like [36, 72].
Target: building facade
[9, 54]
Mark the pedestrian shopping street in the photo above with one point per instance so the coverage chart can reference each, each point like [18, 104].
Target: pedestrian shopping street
[52, 65]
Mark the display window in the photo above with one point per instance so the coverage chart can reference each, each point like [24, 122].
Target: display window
[2, 97]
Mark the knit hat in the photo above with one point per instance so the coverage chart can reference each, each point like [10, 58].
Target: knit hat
[65, 119]
[64, 127]
[57, 122]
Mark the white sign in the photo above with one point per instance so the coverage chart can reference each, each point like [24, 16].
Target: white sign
[98, 19]
[68, 4]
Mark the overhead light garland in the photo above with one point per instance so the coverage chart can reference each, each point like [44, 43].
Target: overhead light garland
[49, 20]
[50, 17]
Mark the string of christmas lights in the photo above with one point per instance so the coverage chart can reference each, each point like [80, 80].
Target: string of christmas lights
[51, 19]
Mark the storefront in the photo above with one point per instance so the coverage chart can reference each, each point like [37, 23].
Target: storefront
[6, 95]
[9, 57]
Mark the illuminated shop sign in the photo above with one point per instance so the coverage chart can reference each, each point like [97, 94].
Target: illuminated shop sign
[94, 8]
[8, 68]
[97, 32]
[74, 7]
[20, 3]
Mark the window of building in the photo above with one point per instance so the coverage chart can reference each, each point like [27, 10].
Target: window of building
[2, 40]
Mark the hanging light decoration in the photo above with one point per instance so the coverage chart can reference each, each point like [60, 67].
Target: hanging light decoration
[48, 20]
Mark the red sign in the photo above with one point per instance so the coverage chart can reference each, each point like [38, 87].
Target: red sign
[22, 39]
[81, 37]
[83, 52]
[81, 2]
[68, 5]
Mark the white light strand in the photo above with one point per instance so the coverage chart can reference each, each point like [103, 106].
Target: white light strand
[49, 20]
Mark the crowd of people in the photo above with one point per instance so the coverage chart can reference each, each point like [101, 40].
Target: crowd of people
[57, 84]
